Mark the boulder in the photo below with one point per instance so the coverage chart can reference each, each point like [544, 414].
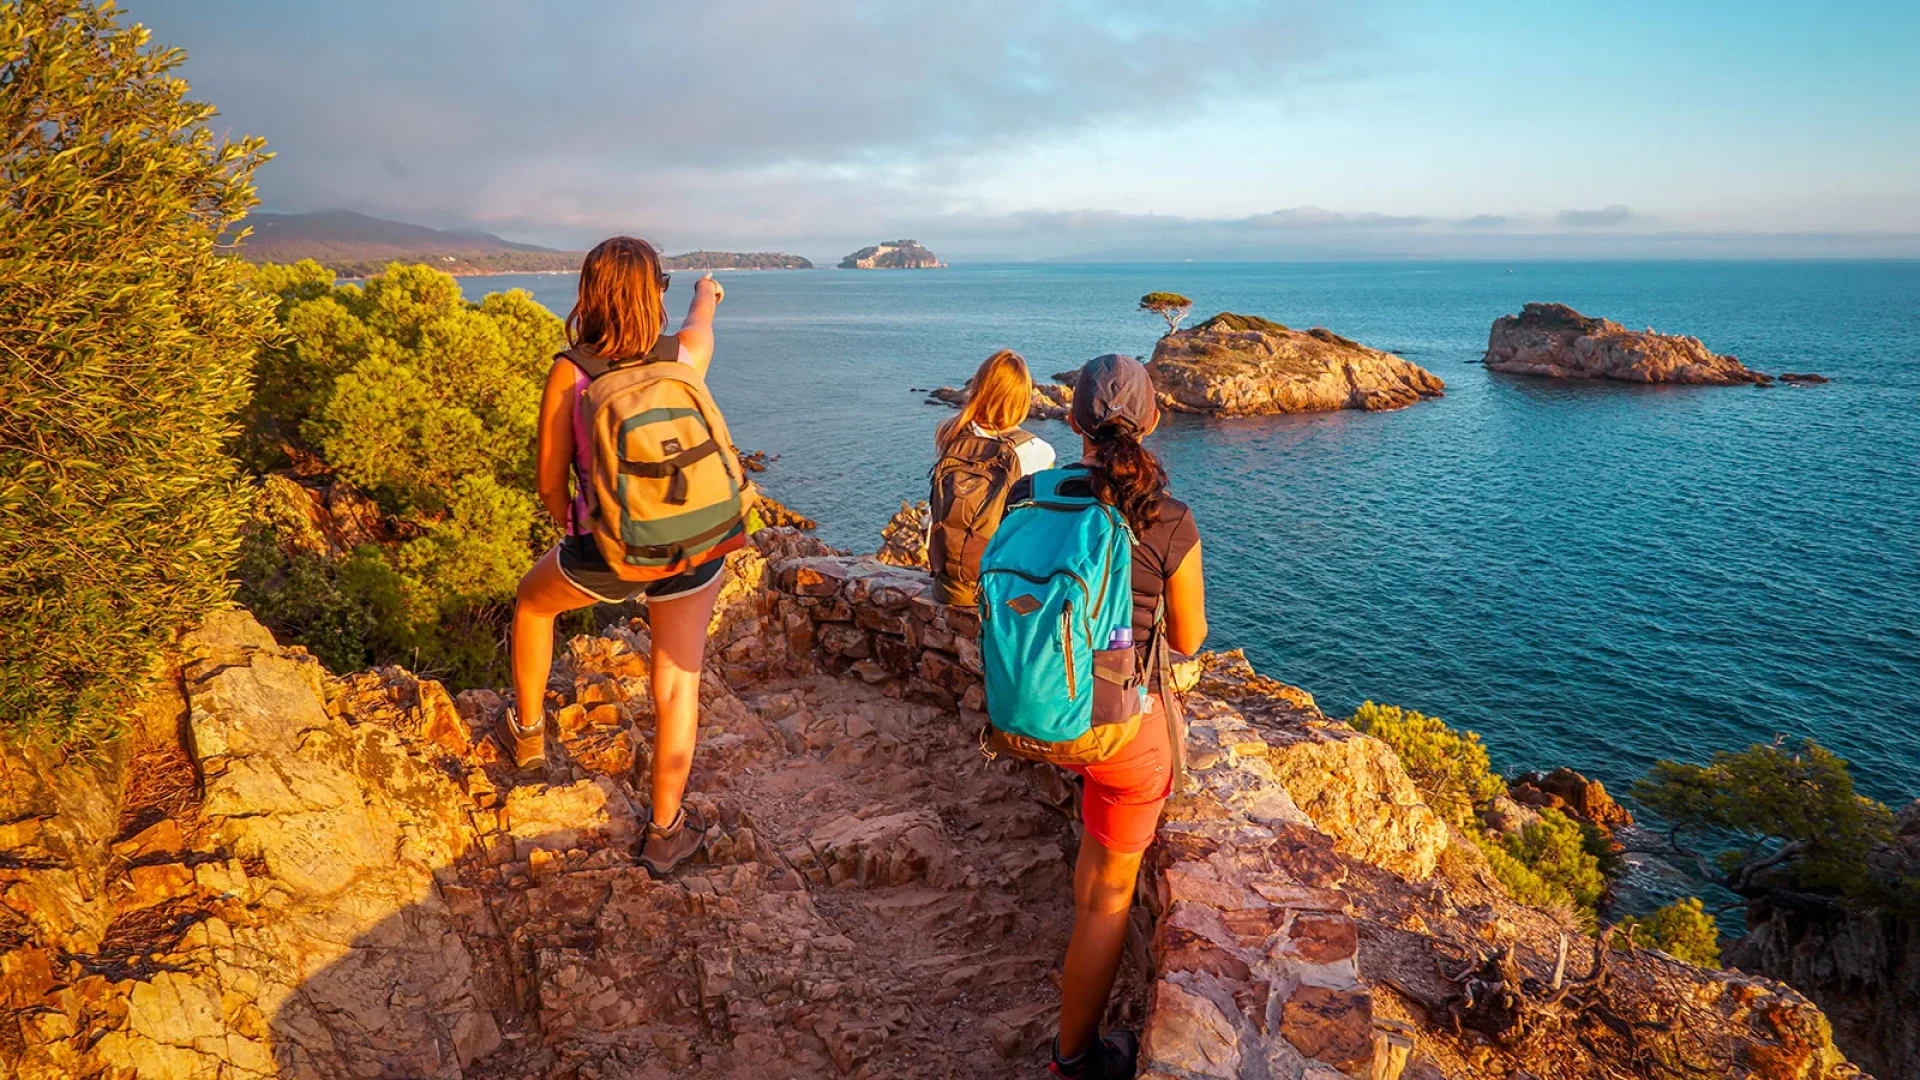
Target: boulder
[1558, 342]
[1564, 789]
[903, 541]
[1241, 365]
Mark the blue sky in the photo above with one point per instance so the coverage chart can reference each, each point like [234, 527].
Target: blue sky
[1127, 129]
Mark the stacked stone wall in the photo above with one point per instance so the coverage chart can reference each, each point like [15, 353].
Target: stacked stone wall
[1253, 947]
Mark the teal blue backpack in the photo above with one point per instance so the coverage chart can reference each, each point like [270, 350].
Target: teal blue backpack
[1056, 582]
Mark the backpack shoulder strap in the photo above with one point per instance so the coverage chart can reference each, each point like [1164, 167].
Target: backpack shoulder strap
[666, 349]
[1019, 437]
[590, 364]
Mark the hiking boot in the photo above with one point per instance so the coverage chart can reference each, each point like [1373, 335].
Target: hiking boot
[668, 847]
[527, 746]
[1114, 1057]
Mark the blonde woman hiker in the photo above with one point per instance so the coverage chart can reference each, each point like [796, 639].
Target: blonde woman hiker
[982, 451]
[658, 499]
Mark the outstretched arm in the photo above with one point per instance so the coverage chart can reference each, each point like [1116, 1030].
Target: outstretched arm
[696, 330]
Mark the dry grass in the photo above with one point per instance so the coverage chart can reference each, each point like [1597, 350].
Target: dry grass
[162, 782]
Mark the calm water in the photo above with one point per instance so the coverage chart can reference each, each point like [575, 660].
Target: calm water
[1591, 575]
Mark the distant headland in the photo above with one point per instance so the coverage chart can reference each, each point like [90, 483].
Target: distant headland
[355, 245]
[735, 260]
[892, 255]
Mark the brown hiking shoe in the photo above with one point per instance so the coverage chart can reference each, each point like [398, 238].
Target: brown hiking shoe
[666, 848]
[527, 746]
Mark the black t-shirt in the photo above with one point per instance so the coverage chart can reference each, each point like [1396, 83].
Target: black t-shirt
[1156, 555]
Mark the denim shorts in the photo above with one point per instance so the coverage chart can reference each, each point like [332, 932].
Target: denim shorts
[582, 564]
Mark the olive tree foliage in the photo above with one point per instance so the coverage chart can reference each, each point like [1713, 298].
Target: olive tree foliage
[1170, 306]
[126, 347]
[428, 403]
[1782, 821]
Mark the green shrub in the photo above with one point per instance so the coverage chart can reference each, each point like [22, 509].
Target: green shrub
[1555, 848]
[1681, 929]
[427, 402]
[128, 342]
[1523, 882]
[1449, 767]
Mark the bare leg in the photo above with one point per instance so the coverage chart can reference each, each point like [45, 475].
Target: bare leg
[679, 629]
[544, 593]
[1103, 882]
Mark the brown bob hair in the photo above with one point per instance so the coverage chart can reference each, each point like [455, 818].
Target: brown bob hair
[621, 308]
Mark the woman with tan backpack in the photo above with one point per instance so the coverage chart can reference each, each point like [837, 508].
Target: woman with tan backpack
[658, 499]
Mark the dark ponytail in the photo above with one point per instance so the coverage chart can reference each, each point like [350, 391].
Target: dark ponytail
[1126, 475]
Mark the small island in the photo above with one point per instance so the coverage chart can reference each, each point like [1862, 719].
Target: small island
[1243, 365]
[892, 255]
[735, 260]
[1555, 341]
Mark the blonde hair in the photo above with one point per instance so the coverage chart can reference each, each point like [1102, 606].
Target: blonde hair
[999, 397]
[620, 310]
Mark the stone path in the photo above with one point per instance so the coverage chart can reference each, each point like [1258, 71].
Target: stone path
[878, 899]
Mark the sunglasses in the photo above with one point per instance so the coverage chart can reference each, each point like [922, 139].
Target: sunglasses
[666, 279]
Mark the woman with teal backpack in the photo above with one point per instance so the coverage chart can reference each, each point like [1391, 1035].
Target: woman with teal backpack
[1127, 755]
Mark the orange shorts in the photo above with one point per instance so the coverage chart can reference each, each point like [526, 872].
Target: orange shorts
[1121, 800]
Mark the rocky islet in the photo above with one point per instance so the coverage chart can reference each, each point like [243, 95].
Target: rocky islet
[1555, 341]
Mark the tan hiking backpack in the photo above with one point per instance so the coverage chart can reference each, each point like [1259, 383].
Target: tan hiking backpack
[667, 490]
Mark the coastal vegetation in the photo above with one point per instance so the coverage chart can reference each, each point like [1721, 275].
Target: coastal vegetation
[130, 342]
[1682, 929]
[402, 392]
[1552, 861]
[1170, 306]
[1775, 821]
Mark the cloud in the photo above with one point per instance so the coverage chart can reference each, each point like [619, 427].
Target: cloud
[1312, 217]
[1482, 221]
[1606, 218]
[503, 111]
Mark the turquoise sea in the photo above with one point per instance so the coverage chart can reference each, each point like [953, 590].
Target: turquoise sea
[1594, 575]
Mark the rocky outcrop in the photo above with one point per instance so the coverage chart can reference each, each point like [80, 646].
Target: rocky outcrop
[1859, 962]
[903, 541]
[1050, 400]
[1556, 341]
[1241, 365]
[892, 255]
[320, 876]
[1566, 790]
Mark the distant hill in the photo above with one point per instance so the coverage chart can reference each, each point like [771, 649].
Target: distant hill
[355, 245]
[892, 255]
[735, 260]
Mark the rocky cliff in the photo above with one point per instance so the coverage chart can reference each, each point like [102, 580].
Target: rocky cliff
[1556, 341]
[1860, 963]
[1241, 365]
[892, 255]
[297, 874]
